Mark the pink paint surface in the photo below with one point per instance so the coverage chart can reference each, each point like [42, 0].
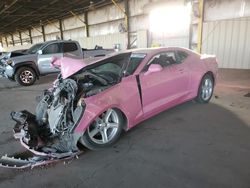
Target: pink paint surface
[68, 66]
[161, 89]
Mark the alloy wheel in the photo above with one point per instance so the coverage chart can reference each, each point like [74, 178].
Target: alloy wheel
[104, 128]
[207, 89]
[26, 76]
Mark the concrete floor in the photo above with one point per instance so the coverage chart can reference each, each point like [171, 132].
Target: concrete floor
[189, 146]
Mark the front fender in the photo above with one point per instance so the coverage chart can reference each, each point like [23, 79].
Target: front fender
[92, 111]
[123, 96]
[28, 64]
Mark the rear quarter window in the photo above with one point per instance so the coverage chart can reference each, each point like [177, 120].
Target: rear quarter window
[181, 55]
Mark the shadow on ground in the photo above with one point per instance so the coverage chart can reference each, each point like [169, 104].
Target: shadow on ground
[189, 146]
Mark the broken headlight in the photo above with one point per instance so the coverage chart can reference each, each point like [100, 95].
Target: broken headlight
[10, 62]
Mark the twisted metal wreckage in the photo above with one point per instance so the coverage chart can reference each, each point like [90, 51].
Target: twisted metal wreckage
[49, 134]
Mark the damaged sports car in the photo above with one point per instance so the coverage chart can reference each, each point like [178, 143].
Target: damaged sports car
[92, 101]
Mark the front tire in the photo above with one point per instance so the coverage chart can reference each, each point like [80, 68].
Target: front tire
[104, 131]
[25, 76]
[206, 89]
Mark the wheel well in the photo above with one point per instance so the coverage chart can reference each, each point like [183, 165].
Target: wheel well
[125, 124]
[210, 73]
[29, 66]
[207, 73]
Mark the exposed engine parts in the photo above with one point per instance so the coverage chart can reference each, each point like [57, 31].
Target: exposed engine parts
[49, 133]
[53, 122]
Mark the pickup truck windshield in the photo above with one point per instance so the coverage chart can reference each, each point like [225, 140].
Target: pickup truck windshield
[34, 48]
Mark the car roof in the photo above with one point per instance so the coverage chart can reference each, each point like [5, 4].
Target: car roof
[53, 41]
[155, 50]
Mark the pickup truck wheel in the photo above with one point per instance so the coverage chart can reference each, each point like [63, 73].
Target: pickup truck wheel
[25, 76]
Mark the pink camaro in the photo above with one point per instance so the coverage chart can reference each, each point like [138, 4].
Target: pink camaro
[92, 101]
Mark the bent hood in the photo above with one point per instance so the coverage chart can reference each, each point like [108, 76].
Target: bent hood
[24, 58]
[70, 66]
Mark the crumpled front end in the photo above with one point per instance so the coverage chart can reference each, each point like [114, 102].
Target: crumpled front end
[6, 70]
[49, 133]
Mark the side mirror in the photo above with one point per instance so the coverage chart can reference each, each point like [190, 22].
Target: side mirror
[40, 52]
[154, 68]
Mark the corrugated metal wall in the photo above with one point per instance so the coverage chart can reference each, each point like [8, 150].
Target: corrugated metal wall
[105, 40]
[229, 40]
[164, 40]
[103, 28]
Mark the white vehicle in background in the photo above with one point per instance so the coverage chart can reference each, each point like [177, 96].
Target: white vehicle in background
[35, 61]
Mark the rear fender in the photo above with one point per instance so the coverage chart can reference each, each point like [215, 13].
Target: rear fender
[211, 64]
[210, 67]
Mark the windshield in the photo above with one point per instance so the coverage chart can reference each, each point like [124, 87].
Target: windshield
[34, 48]
[135, 61]
[113, 65]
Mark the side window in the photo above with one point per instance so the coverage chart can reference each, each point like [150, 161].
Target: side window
[181, 56]
[168, 58]
[69, 47]
[164, 59]
[52, 49]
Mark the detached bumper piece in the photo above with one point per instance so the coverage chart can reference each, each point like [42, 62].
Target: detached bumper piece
[34, 161]
[43, 147]
[11, 162]
[35, 158]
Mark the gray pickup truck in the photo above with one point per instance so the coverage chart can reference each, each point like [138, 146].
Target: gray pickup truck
[36, 61]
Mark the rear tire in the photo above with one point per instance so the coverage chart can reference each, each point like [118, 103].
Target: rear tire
[104, 131]
[206, 89]
[25, 76]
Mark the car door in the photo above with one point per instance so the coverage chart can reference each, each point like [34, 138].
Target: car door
[165, 88]
[44, 59]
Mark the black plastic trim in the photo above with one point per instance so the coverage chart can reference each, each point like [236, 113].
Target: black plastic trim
[139, 87]
[29, 64]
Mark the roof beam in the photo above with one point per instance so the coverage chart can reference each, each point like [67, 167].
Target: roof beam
[31, 40]
[71, 12]
[8, 6]
[19, 16]
[53, 24]
[61, 28]
[43, 32]
[37, 30]
[6, 41]
[20, 37]
[16, 20]
[86, 23]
